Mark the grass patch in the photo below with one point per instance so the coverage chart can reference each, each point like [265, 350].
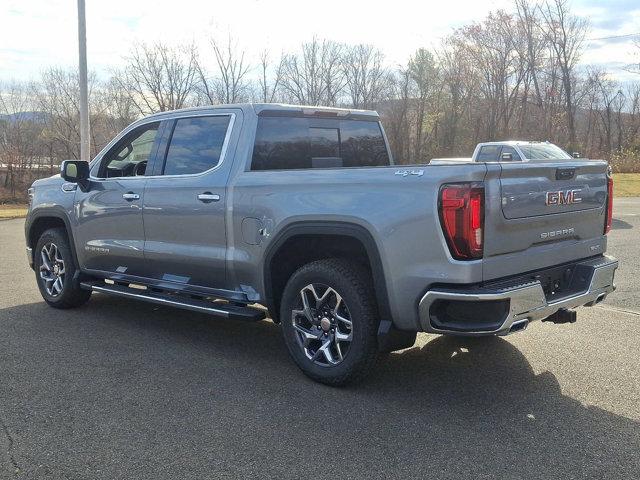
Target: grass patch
[13, 211]
[626, 185]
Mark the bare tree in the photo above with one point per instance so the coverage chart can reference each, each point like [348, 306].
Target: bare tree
[158, 78]
[634, 67]
[535, 42]
[495, 53]
[112, 109]
[315, 76]
[459, 79]
[423, 73]
[565, 33]
[632, 127]
[365, 77]
[20, 131]
[59, 97]
[395, 117]
[609, 100]
[116, 104]
[514, 73]
[269, 86]
[230, 84]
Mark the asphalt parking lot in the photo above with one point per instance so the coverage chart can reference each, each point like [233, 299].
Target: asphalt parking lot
[119, 389]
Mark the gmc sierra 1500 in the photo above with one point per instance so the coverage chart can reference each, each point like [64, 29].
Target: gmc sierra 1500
[301, 210]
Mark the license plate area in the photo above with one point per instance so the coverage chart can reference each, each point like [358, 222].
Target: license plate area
[557, 282]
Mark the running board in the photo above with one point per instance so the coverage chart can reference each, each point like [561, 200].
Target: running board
[225, 310]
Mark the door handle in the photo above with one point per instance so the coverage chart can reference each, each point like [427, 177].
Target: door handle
[208, 197]
[129, 196]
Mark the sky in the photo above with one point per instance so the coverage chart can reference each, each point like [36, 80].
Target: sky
[37, 34]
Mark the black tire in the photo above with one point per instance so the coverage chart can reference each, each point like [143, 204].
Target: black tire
[71, 295]
[353, 284]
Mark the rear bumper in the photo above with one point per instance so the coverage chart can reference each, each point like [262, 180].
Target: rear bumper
[514, 305]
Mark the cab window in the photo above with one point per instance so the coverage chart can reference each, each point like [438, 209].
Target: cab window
[196, 144]
[130, 156]
[489, 153]
[290, 143]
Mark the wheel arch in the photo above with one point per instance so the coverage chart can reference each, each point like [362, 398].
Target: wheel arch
[43, 220]
[306, 229]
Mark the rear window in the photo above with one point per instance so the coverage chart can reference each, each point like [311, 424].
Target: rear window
[546, 151]
[284, 143]
[512, 151]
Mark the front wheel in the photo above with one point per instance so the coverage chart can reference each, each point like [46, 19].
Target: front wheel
[55, 269]
[330, 322]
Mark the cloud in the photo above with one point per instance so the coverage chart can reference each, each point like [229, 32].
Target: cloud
[619, 5]
[41, 33]
[608, 42]
[612, 22]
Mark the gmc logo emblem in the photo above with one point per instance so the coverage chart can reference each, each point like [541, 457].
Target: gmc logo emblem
[563, 197]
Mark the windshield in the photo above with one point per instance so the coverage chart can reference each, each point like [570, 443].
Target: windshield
[537, 151]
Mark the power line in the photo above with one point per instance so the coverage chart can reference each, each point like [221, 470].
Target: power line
[615, 36]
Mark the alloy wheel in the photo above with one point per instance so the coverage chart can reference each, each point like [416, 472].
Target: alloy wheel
[322, 324]
[52, 269]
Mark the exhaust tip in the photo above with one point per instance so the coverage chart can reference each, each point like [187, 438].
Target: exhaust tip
[519, 326]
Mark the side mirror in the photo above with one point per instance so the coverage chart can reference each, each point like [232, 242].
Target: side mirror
[506, 157]
[76, 171]
[575, 154]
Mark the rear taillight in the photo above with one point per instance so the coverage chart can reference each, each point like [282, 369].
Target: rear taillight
[462, 217]
[609, 217]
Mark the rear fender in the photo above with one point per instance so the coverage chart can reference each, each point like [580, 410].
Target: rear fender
[331, 228]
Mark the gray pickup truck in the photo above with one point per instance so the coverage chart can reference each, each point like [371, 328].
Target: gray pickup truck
[299, 214]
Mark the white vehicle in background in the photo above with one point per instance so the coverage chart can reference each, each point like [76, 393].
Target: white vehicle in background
[516, 150]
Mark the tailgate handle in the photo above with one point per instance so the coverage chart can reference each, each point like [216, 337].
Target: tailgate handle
[565, 173]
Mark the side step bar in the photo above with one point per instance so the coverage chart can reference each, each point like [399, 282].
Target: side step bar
[225, 310]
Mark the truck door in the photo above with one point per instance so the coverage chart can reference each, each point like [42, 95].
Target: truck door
[184, 204]
[109, 235]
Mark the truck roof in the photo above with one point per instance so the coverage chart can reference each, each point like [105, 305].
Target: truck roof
[275, 109]
[512, 142]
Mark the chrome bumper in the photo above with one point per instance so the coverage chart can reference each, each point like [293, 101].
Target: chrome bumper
[527, 302]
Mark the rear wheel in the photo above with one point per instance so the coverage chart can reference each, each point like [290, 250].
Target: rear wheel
[329, 321]
[55, 271]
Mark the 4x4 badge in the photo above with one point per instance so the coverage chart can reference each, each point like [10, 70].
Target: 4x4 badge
[405, 173]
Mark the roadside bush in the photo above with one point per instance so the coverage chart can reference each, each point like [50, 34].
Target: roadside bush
[15, 192]
[625, 161]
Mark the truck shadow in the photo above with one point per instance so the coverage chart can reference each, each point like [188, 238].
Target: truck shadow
[224, 396]
[618, 224]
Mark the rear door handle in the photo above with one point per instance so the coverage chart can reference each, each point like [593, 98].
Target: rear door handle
[129, 196]
[208, 197]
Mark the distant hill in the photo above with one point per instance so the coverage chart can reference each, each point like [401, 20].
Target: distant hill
[24, 117]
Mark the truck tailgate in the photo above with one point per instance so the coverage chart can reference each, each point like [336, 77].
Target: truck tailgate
[543, 213]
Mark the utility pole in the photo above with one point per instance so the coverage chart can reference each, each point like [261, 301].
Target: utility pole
[85, 152]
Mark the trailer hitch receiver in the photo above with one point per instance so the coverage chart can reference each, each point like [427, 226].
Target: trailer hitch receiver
[564, 315]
